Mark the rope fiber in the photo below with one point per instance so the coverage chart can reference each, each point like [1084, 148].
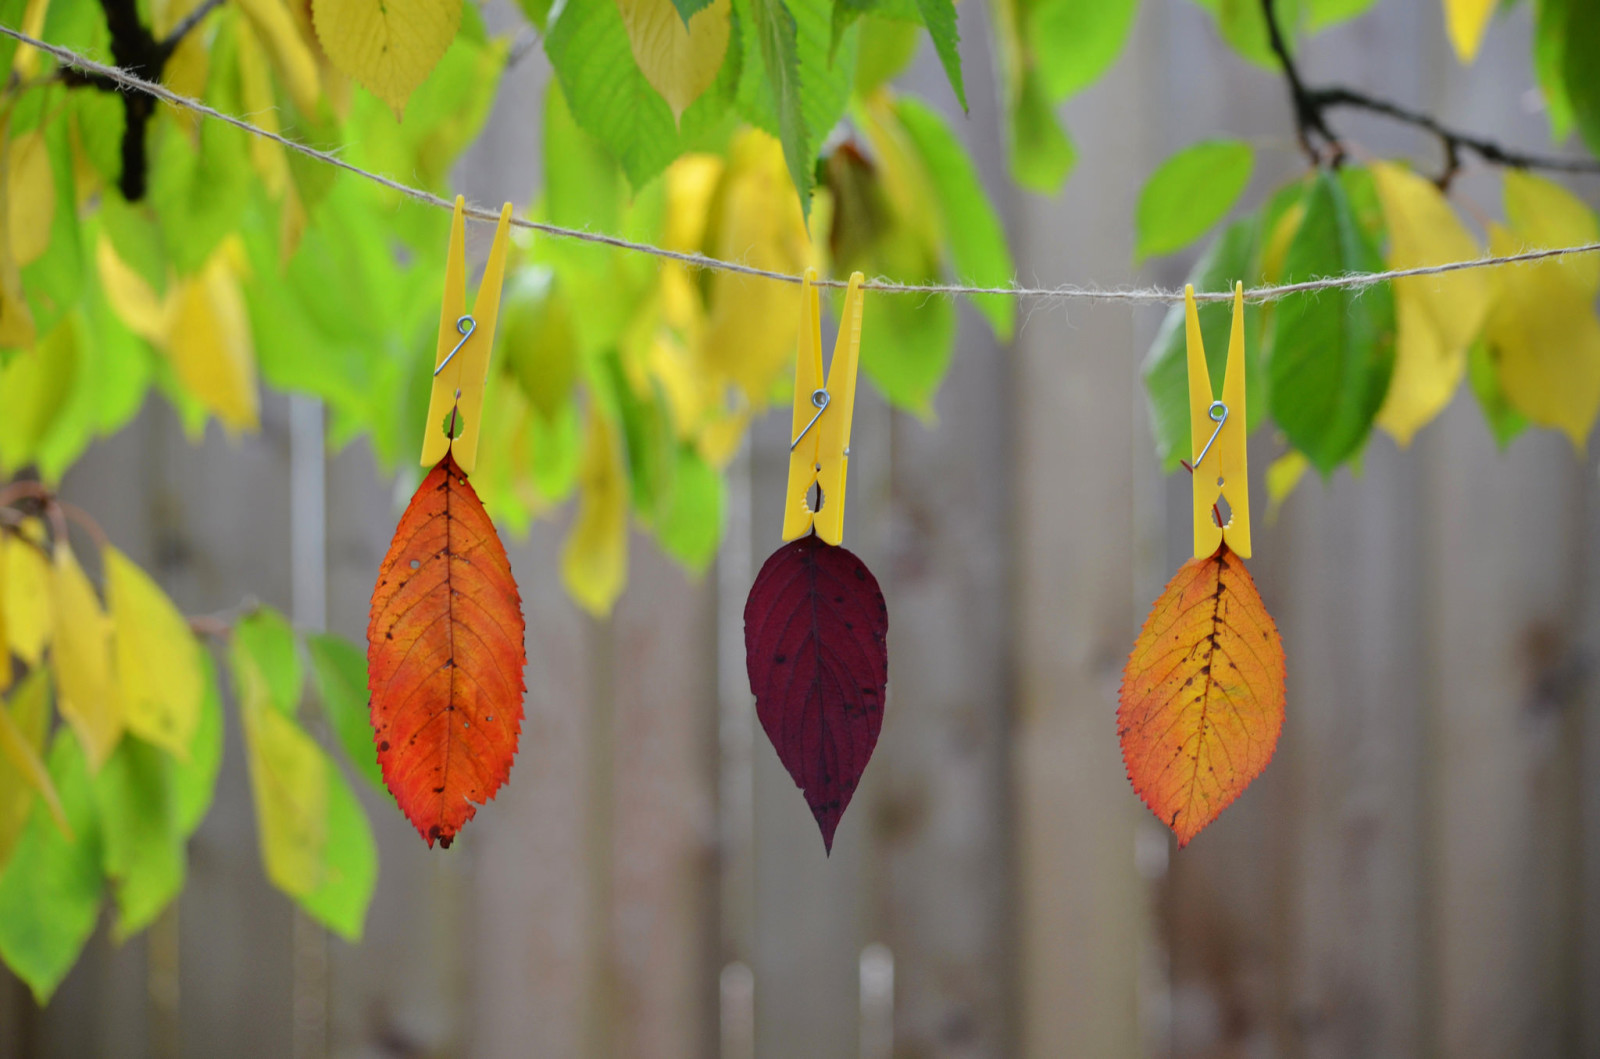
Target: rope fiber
[1069, 292]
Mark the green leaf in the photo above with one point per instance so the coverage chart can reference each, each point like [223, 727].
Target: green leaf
[887, 47]
[1075, 42]
[1243, 26]
[973, 234]
[1549, 64]
[940, 18]
[143, 854]
[593, 61]
[350, 868]
[537, 340]
[1582, 71]
[50, 891]
[194, 782]
[1229, 259]
[582, 185]
[906, 346]
[54, 283]
[687, 9]
[1041, 153]
[1505, 422]
[35, 386]
[339, 669]
[1332, 351]
[647, 436]
[1189, 192]
[266, 636]
[557, 452]
[691, 521]
[538, 11]
[1324, 13]
[777, 40]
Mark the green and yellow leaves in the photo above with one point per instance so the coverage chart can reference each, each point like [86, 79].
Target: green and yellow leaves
[389, 46]
[81, 660]
[679, 56]
[1543, 336]
[594, 559]
[1436, 317]
[315, 843]
[1190, 192]
[1332, 351]
[157, 658]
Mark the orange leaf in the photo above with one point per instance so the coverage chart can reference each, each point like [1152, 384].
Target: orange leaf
[445, 657]
[1202, 695]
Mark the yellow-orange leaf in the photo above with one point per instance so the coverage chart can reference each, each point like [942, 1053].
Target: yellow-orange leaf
[1202, 694]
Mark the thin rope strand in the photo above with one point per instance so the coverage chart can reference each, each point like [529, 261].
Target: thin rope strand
[1137, 295]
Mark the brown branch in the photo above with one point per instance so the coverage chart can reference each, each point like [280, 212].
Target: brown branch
[1312, 104]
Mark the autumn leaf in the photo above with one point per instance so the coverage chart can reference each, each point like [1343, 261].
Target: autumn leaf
[594, 557]
[261, 105]
[815, 629]
[1465, 23]
[1436, 317]
[1283, 475]
[31, 197]
[158, 660]
[1542, 331]
[211, 346]
[389, 46]
[25, 592]
[1202, 695]
[147, 314]
[289, 781]
[274, 24]
[24, 721]
[444, 658]
[81, 658]
[680, 61]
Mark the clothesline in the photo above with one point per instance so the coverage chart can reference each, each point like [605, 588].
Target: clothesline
[1068, 292]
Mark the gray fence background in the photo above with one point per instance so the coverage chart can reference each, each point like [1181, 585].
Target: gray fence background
[1417, 873]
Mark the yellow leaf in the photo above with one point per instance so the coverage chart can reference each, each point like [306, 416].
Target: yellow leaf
[756, 219]
[1544, 214]
[289, 781]
[275, 25]
[30, 197]
[1545, 340]
[594, 558]
[158, 661]
[146, 314]
[679, 62]
[1465, 22]
[21, 743]
[261, 107]
[691, 181]
[1282, 477]
[5, 635]
[81, 659]
[25, 592]
[189, 66]
[34, 386]
[28, 717]
[389, 46]
[1436, 317]
[211, 347]
[25, 63]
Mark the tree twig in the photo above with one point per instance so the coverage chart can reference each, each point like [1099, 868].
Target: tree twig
[1311, 105]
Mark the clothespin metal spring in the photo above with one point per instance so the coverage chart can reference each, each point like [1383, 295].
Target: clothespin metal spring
[1219, 415]
[465, 325]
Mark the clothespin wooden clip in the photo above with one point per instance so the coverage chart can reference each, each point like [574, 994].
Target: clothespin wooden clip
[819, 453]
[461, 366]
[1217, 432]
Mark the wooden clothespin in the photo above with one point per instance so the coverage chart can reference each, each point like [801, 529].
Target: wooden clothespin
[461, 366]
[819, 453]
[1217, 431]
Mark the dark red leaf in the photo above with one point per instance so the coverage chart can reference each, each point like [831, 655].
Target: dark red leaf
[815, 629]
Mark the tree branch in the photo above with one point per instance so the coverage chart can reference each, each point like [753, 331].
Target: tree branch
[1312, 104]
[135, 48]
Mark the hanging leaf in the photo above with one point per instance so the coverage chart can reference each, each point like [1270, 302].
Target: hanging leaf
[389, 46]
[50, 892]
[275, 25]
[89, 698]
[158, 660]
[680, 58]
[444, 658]
[815, 629]
[288, 779]
[24, 721]
[211, 345]
[1283, 475]
[350, 865]
[30, 197]
[265, 634]
[1505, 422]
[1202, 695]
[1436, 317]
[143, 848]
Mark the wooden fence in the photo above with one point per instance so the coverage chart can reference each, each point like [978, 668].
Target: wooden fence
[1417, 873]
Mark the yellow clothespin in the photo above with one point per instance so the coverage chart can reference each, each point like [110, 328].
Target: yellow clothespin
[819, 453]
[1220, 469]
[461, 366]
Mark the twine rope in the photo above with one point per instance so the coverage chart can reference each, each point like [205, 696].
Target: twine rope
[1067, 292]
